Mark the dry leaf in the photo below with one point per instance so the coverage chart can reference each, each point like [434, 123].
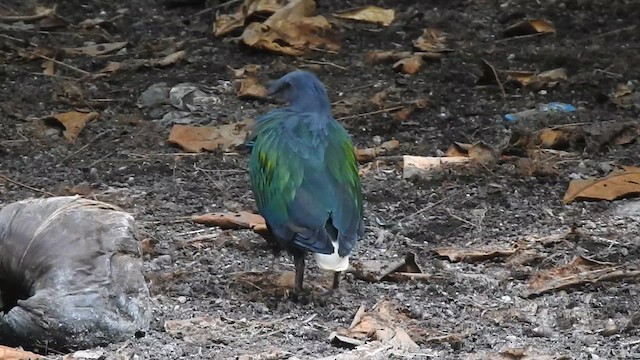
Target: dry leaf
[625, 97]
[431, 40]
[381, 324]
[90, 23]
[621, 183]
[369, 13]
[225, 24]
[170, 59]
[368, 154]
[379, 99]
[112, 67]
[537, 81]
[8, 353]
[74, 122]
[410, 65]
[580, 271]
[250, 88]
[529, 27]
[232, 220]
[95, 50]
[479, 152]
[245, 70]
[383, 56]
[405, 112]
[291, 30]
[197, 139]
[49, 67]
[471, 255]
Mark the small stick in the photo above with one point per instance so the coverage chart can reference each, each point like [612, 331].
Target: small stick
[630, 27]
[18, 40]
[86, 73]
[324, 63]
[26, 186]
[521, 37]
[84, 147]
[394, 108]
[28, 18]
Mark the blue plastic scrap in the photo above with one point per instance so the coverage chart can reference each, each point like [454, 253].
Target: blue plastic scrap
[552, 107]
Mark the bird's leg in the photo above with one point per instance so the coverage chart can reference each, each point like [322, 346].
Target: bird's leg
[298, 259]
[336, 280]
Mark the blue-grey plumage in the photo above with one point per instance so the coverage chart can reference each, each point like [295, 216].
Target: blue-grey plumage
[304, 176]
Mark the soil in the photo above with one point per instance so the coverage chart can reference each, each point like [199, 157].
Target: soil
[467, 309]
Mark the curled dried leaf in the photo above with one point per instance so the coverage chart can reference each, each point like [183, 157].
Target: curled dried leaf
[369, 13]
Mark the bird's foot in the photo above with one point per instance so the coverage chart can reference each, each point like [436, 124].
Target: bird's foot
[305, 297]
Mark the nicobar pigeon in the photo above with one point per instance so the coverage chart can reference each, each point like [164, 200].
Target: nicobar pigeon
[304, 177]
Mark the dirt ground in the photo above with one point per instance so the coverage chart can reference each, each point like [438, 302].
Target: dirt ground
[467, 309]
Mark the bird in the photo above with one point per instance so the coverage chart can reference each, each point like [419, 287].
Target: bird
[304, 177]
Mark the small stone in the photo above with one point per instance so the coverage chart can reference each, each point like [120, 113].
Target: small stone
[610, 328]
[182, 299]
[542, 331]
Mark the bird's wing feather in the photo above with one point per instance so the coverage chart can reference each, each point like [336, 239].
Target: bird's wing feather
[301, 179]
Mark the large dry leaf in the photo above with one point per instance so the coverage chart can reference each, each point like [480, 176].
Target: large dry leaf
[96, 49]
[250, 88]
[618, 184]
[369, 13]
[199, 138]
[8, 353]
[477, 254]
[625, 96]
[389, 270]
[431, 40]
[368, 154]
[74, 122]
[479, 152]
[530, 27]
[580, 271]
[291, 30]
[233, 220]
[225, 24]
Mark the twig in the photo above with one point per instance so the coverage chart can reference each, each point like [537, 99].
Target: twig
[626, 28]
[324, 63]
[28, 18]
[26, 186]
[18, 40]
[60, 63]
[100, 160]
[428, 207]
[84, 147]
[323, 50]
[394, 108]
[521, 37]
[55, 76]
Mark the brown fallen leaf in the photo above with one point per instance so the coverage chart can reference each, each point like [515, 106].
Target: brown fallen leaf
[233, 220]
[96, 49]
[479, 152]
[170, 59]
[530, 27]
[625, 97]
[368, 154]
[250, 88]
[579, 272]
[291, 30]
[377, 56]
[49, 67]
[549, 78]
[405, 112]
[224, 24]
[197, 139]
[431, 40]
[112, 67]
[382, 323]
[245, 70]
[477, 254]
[8, 353]
[624, 182]
[380, 99]
[369, 13]
[74, 122]
[410, 65]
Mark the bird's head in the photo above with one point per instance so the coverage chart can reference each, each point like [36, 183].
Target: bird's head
[303, 91]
